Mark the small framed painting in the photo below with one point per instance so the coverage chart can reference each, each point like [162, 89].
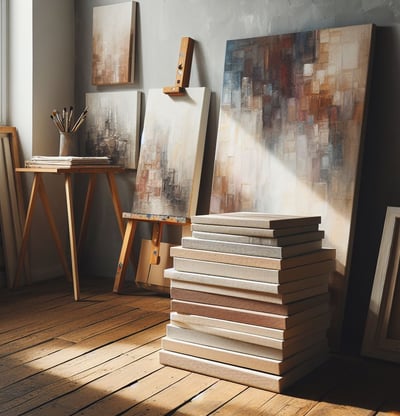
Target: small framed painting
[382, 330]
[112, 126]
[113, 45]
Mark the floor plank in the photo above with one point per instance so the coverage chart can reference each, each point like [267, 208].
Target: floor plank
[172, 396]
[250, 399]
[84, 382]
[99, 356]
[211, 399]
[135, 393]
[96, 389]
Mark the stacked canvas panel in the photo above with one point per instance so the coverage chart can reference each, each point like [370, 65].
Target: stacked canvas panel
[249, 299]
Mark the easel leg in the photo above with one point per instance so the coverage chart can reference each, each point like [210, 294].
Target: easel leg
[124, 255]
[118, 209]
[186, 230]
[72, 241]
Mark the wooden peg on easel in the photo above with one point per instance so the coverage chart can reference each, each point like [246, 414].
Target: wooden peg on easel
[155, 243]
[183, 68]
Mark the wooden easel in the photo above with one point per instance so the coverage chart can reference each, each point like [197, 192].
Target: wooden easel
[157, 221]
[183, 68]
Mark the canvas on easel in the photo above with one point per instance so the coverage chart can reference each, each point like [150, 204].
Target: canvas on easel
[171, 153]
[168, 174]
[290, 131]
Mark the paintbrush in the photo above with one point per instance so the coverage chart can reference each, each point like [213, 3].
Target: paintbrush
[64, 122]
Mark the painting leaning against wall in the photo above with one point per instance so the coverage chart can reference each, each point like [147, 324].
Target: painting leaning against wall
[112, 126]
[113, 45]
[291, 126]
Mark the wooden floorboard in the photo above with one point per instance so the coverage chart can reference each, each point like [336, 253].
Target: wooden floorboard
[99, 356]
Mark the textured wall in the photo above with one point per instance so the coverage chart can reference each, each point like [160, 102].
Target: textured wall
[160, 26]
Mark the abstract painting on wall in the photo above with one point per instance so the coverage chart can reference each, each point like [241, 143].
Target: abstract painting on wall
[171, 153]
[291, 126]
[112, 126]
[113, 43]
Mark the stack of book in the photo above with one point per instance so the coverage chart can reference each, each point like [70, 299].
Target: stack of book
[66, 161]
[249, 299]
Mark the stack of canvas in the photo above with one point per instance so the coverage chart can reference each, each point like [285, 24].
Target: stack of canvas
[249, 299]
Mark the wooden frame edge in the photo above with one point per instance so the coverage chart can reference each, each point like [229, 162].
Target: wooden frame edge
[377, 342]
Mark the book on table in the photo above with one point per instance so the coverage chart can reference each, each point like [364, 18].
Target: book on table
[67, 161]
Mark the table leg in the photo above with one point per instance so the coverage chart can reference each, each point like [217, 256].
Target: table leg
[116, 202]
[39, 190]
[46, 205]
[86, 210]
[72, 241]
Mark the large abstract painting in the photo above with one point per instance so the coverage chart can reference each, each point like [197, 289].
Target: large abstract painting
[290, 128]
[112, 126]
[171, 154]
[113, 43]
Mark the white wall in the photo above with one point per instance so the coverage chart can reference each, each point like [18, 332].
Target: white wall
[41, 78]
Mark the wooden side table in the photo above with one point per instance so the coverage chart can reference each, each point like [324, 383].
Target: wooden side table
[39, 190]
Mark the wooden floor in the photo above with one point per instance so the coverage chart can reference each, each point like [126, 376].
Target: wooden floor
[99, 356]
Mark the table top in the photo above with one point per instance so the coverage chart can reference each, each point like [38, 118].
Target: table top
[43, 168]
